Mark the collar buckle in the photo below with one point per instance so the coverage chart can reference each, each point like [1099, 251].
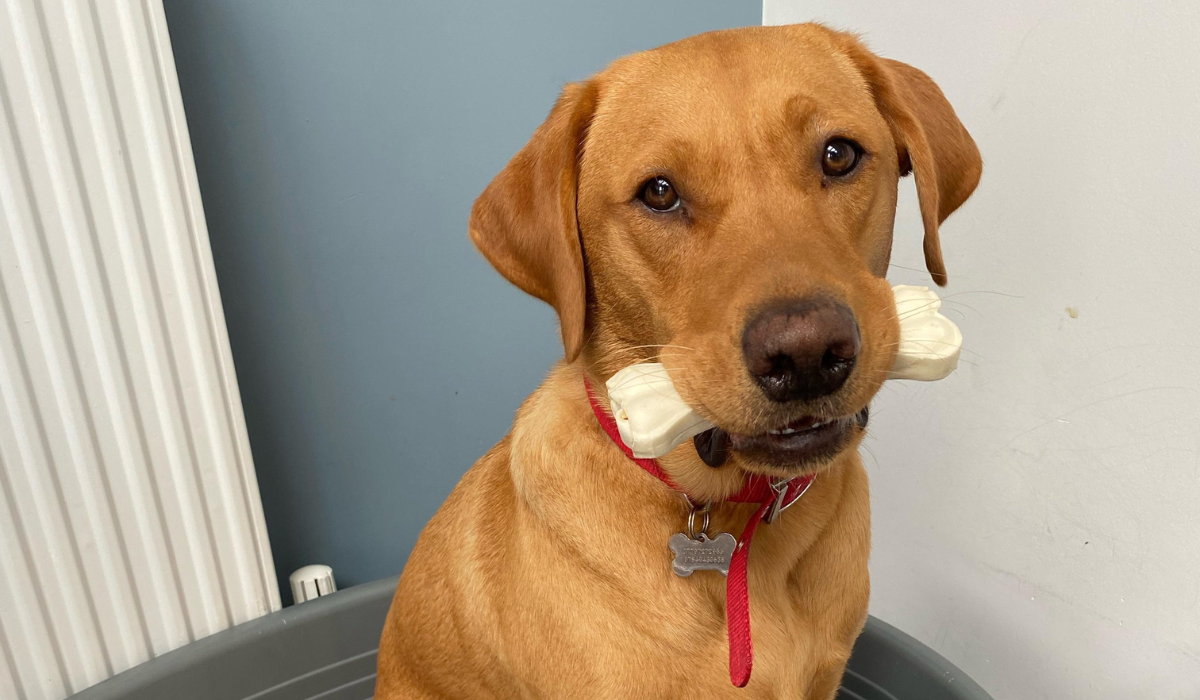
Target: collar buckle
[781, 503]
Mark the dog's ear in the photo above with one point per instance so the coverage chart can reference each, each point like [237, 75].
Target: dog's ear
[931, 143]
[525, 223]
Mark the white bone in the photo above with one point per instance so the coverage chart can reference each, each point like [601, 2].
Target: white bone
[653, 419]
[929, 342]
[651, 416]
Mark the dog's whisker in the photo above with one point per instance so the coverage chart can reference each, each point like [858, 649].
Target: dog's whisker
[925, 343]
[911, 269]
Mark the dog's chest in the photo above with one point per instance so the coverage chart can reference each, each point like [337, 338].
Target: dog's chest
[677, 627]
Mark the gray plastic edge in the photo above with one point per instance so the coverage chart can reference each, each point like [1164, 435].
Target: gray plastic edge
[896, 661]
[162, 669]
[922, 661]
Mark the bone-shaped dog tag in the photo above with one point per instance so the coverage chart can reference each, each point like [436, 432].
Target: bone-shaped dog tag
[702, 554]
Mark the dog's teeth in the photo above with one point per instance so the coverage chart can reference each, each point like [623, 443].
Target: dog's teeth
[793, 431]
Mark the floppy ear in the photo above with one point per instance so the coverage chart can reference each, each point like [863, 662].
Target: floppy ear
[524, 223]
[930, 142]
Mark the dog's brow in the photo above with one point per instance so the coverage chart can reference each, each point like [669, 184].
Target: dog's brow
[671, 157]
[802, 112]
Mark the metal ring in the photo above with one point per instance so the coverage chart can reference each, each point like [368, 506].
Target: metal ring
[704, 510]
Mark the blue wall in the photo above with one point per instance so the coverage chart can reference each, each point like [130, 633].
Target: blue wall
[339, 146]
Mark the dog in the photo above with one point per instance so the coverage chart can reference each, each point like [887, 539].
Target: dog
[723, 205]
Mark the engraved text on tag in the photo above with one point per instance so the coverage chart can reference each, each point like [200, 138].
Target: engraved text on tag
[701, 554]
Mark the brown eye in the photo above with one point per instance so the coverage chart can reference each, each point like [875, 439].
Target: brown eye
[659, 194]
[840, 157]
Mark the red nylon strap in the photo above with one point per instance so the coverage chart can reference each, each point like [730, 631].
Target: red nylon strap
[737, 604]
[737, 591]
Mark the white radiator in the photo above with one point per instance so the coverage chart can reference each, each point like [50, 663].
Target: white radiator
[130, 519]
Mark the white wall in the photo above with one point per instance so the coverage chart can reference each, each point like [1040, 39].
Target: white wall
[1037, 515]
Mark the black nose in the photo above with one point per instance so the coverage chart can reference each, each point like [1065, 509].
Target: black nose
[801, 349]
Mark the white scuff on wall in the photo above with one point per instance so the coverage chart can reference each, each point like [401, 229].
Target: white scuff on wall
[130, 519]
[1035, 514]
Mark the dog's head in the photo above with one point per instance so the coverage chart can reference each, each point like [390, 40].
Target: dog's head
[725, 204]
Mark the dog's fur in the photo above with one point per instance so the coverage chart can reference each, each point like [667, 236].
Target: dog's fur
[546, 573]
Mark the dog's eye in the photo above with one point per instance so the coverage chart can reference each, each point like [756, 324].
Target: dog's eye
[659, 194]
[840, 157]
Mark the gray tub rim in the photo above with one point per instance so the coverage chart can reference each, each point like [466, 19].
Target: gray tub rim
[330, 645]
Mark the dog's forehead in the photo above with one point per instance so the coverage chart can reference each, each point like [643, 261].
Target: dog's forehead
[728, 82]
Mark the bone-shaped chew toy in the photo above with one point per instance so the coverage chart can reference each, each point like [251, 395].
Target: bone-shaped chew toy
[652, 418]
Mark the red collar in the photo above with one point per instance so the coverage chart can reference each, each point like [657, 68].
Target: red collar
[773, 497]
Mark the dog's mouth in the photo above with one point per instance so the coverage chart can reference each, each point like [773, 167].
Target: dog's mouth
[802, 443]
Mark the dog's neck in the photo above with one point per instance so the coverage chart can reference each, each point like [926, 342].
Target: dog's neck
[561, 458]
